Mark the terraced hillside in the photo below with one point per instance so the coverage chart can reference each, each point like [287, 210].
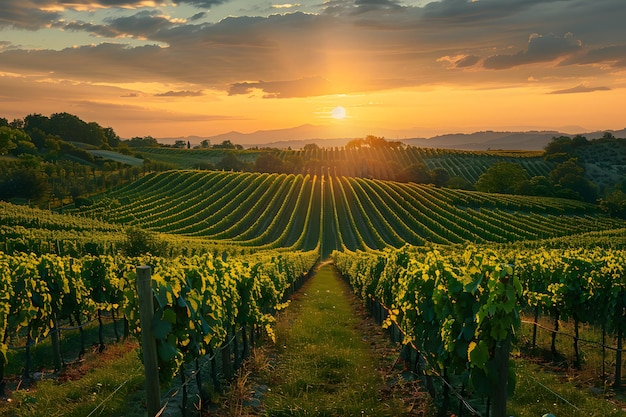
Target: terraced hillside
[335, 212]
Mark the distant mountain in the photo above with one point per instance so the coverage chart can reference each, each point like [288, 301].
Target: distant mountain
[331, 136]
[488, 140]
[297, 137]
[479, 141]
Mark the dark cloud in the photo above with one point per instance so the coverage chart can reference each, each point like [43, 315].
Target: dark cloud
[580, 89]
[464, 11]
[377, 4]
[467, 61]
[78, 26]
[201, 3]
[6, 45]
[615, 54]
[143, 24]
[540, 49]
[21, 15]
[307, 87]
[70, 4]
[197, 16]
[180, 94]
[32, 14]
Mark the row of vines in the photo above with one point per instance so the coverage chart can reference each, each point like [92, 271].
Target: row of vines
[458, 308]
[198, 299]
[291, 211]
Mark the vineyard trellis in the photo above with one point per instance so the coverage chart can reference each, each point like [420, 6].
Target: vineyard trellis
[456, 307]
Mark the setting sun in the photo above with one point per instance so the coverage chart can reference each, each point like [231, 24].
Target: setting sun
[338, 113]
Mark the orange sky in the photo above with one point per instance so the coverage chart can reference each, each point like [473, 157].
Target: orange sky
[398, 68]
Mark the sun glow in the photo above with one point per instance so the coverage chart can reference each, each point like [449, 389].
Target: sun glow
[338, 113]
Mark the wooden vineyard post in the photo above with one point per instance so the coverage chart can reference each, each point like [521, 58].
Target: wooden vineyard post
[148, 343]
[618, 361]
[56, 345]
[500, 390]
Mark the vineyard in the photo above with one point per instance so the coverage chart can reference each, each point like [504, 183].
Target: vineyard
[300, 212]
[200, 300]
[460, 310]
[381, 163]
[450, 271]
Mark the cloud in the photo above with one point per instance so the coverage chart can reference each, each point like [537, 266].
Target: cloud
[459, 61]
[285, 6]
[36, 14]
[464, 11]
[377, 4]
[6, 45]
[197, 16]
[541, 48]
[580, 89]
[468, 61]
[142, 25]
[21, 15]
[180, 94]
[614, 54]
[348, 46]
[307, 87]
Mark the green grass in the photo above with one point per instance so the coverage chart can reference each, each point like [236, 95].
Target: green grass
[553, 385]
[113, 389]
[324, 365]
[539, 392]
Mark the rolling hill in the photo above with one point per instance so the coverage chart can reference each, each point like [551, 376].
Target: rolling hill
[335, 212]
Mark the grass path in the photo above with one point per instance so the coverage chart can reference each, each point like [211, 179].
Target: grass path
[325, 365]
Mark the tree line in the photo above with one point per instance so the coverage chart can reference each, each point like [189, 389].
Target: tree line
[46, 160]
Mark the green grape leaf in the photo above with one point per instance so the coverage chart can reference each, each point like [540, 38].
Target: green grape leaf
[478, 354]
[161, 328]
[167, 351]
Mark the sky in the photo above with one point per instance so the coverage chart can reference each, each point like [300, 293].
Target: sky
[416, 68]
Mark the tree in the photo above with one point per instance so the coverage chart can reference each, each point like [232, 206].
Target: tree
[205, 144]
[541, 186]
[230, 162]
[561, 144]
[140, 242]
[439, 176]
[142, 142]
[227, 144]
[501, 177]
[459, 183]
[311, 147]
[268, 162]
[417, 173]
[36, 121]
[615, 203]
[112, 139]
[569, 177]
[29, 183]
[354, 144]
[7, 142]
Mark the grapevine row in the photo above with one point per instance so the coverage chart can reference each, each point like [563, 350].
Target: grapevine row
[455, 307]
[198, 299]
[280, 210]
